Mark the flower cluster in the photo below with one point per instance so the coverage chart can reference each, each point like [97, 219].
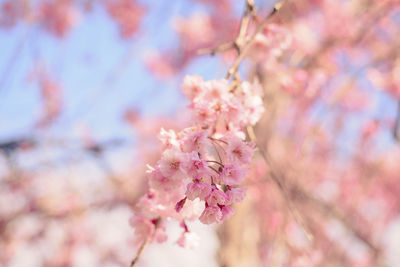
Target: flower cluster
[58, 16]
[223, 106]
[127, 14]
[201, 167]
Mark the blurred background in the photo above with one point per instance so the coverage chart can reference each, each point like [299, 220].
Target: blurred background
[86, 85]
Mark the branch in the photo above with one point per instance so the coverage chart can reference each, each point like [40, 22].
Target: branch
[218, 49]
[248, 13]
[280, 182]
[146, 242]
[242, 50]
[140, 251]
[239, 43]
[320, 205]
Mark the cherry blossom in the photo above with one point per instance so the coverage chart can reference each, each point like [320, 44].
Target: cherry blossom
[211, 214]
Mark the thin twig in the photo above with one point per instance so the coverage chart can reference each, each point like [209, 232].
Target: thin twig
[322, 206]
[213, 161]
[235, 65]
[140, 251]
[213, 169]
[276, 177]
[146, 242]
[212, 51]
[244, 24]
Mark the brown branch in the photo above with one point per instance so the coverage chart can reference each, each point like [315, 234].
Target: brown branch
[213, 51]
[244, 24]
[242, 50]
[248, 13]
[140, 251]
[240, 43]
[156, 223]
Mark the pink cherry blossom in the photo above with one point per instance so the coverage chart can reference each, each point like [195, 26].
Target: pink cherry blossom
[171, 163]
[198, 190]
[195, 140]
[127, 14]
[192, 86]
[252, 103]
[168, 138]
[211, 214]
[204, 113]
[236, 195]
[232, 174]
[196, 31]
[188, 240]
[160, 182]
[217, 197]
[160, 65]
[238, 151]
[194, 166]
[160, 234]
[215, 91]
[58, 16]
[143, 228]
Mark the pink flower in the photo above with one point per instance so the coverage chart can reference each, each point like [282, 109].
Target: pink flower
[211, 214]
[143, 228]
[216, 197]
[170, 163]
[253, 104]
[195, 140]
[127, 14]
[168, 138]
[238, 151]
[216, 91]
[148, 203]
[204, 114]
[227, 212]
[232, 174]
[188, 240]
[236, 195]
[198, 189]
[159, 182]
[160, 65]
[194, 166]
[160, 235]
[195, 31]
[58, 16]
[192, 86]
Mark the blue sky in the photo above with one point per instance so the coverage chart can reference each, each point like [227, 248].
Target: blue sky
[83, 63]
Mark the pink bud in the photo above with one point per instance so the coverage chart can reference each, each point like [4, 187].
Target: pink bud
[180, 204]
